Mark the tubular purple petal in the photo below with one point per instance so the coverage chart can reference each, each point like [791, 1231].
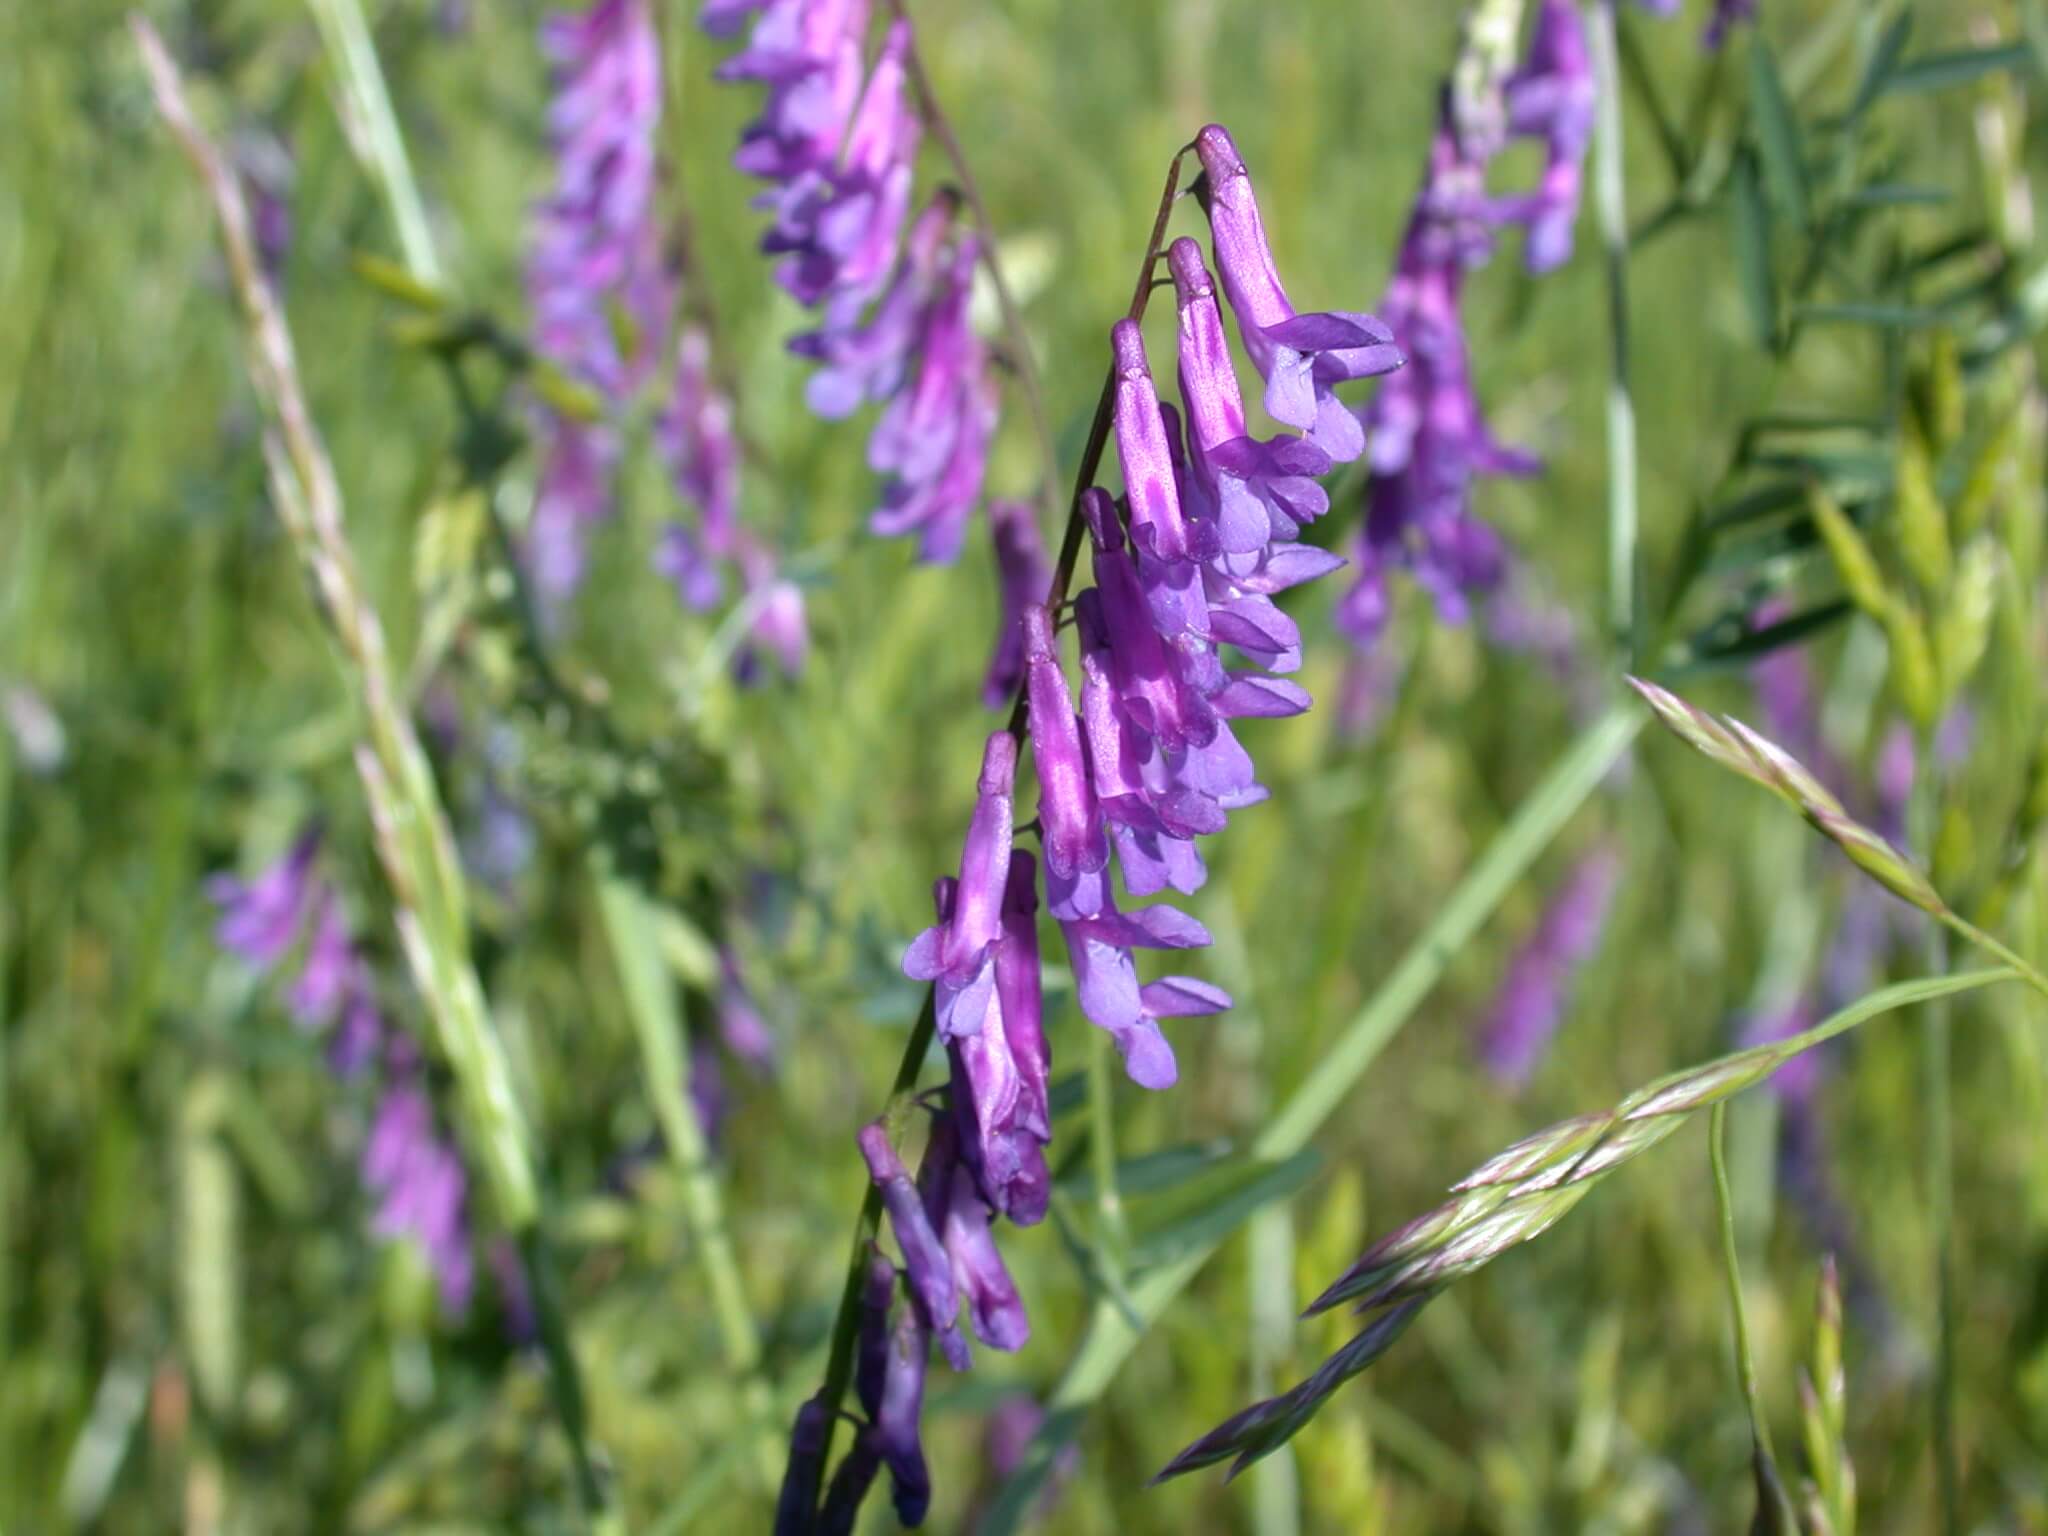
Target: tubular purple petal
[1069, 821]
[929, 1273]
[1157, 526]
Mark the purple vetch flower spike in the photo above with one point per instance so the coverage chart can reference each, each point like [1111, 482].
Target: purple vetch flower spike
[808, 53]
[929, 1273]
[1157, 527]
[1070, 822]
[260, 917]
[574, 495]
[328, 972]
[1552, 97]
[1260, 490]
[681, 556]
[1531, 1001]
[594, 239]
[1023, 573]
[421, 1189]
[1300, 356]
[1115, 753]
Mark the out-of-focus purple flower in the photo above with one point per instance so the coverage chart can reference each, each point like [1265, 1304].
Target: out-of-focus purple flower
[709, 1097]
[740, 1025]
[1552, 97]
[594, 259]
[1006, 1437]
[694, 434]
[515, 1295]
[779, 626]
[1300, 356]
[1797, 1080]
[1531, 1001]
[329, 967]
[1428, 438]
[266, 171]
[1023, 574]
[1727, 15]
[932, 439]
[894, 327]
[260, 917]
[422, 1193]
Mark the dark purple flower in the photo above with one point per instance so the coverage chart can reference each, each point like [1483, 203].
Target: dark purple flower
[422, 1193]
[1530, 1004]
[925, 1264]
[894, 1427]
[260, 917]
[1300, 356]
[954, 1202]
[1727, 14]
[1023, 574]
[796, 1504]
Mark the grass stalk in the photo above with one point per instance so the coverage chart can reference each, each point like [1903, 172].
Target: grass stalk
[1745, 1357]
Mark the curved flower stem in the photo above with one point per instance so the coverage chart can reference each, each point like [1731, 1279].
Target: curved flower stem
[1611, 195]
[846, 1324]
[1021, 357]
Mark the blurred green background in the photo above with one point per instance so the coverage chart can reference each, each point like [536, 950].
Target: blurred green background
[197, 1330]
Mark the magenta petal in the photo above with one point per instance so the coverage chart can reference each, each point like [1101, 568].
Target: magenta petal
[1175, 997]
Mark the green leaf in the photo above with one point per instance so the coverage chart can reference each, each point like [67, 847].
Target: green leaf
[1753, 251]
[1939, 71]
[1887, 317]
[1710, 657]
[1777, 133]
[1884, 63]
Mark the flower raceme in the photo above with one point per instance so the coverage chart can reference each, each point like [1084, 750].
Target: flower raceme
[837, 140]
[1178, 638]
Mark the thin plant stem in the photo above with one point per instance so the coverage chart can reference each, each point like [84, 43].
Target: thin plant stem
[1745, 1357]
[1610, 196]
[1109, 1207]
[346, 35]
[1021, 357]
[1936, 1087]
[1112, 1335]
[839, 1359]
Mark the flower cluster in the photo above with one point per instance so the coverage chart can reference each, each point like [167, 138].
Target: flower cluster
[1186, 564]
[410, 1167]
[837, 140]
[604, 297]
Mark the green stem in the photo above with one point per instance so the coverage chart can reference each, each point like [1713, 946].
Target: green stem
[353, 55]
[1111, 1240]
[1112, 1335]
[1935, 1070]
[1724, 1205]
[1610, 195]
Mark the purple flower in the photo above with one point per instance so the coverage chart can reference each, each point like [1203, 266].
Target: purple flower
[1531, 1001]
[694, 434]
[1552, 98]
[421, 1190]
[1429, 439]
[740, 1025]
[954, 1203]
[260, 918]
[866, 359]
[1300, 356]
[956, 950]
[1070, 823]
[329, 968]
[932, 440]
[1255, 491]
[929, 1271]
[894, 1426]
[1023, 574]
[808, 53]
[578, 461]
[796, 1504]
[1099, 948]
